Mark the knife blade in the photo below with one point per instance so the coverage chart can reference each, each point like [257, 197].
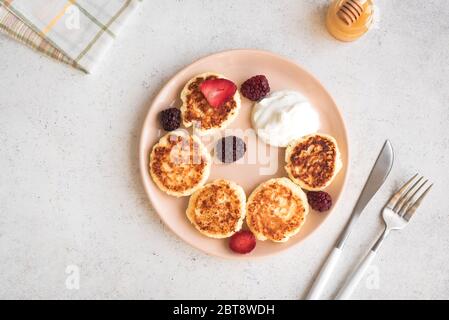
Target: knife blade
[376, 179]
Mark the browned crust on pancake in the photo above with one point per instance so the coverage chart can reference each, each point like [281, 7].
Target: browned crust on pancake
[275, 212]
[217, 209]
[181, 156]
[200, 112]
[313, 161]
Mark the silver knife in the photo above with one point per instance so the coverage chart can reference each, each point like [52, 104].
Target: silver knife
[376, 179]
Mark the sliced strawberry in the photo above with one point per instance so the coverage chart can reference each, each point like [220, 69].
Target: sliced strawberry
[218, 91]
[243, 242]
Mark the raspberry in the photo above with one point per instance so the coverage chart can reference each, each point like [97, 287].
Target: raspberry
[170, 119]
[242, 242]
[255, 88]
[230, 149]
[319, 200]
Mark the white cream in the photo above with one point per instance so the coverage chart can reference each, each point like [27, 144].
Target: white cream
[284, 116]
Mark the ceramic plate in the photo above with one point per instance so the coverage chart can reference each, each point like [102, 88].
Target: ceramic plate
[261, 162]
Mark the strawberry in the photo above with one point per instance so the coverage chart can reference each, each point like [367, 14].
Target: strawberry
[218, 91]
[243, 242]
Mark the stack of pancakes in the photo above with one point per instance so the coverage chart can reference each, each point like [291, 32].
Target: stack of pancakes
[218, 209]
[276, 210]
[197, 112]
[313, 161]
[179, 164]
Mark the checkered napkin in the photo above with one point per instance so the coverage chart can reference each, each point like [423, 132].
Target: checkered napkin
[76, 32]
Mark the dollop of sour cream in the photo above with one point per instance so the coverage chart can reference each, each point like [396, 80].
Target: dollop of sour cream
[284, 116]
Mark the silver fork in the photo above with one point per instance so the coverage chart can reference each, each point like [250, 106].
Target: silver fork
[396, 214]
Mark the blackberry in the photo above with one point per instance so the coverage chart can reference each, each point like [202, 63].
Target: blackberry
[319, 200]
[255, 88]
[170, 119]
[230, 149]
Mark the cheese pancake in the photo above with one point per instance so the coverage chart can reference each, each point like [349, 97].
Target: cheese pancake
[276, 210]
[197, 112]
[217, 210]
[179, 164]
[313, 161]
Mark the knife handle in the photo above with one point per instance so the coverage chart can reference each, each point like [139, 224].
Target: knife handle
[324, 275]
[351, 284]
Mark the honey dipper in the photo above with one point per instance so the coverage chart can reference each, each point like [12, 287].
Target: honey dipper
[350, 11]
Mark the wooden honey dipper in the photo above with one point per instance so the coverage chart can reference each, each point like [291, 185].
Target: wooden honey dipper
[350, 11]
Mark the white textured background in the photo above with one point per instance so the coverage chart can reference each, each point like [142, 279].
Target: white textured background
[69, 184]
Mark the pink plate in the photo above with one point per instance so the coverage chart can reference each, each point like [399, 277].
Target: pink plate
[261, 162]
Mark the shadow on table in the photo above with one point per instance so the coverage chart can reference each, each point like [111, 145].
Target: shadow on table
[137, 184]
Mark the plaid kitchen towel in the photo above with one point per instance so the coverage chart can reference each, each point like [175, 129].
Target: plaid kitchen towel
[76, 32]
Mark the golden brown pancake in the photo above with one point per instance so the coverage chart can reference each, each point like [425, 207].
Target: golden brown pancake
[179, 164]
[276, 210]
[313, 161]
[217, 210]
[196, 111]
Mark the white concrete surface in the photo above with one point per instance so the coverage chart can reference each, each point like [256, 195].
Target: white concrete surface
[70, 192]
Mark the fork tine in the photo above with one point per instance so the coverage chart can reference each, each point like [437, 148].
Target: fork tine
[408, 201]
[412, 209]
[394, 199]
[405, 195]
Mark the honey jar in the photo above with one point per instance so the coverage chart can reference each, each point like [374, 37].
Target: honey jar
[348, 20]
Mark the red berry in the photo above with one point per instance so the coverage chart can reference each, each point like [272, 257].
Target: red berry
[243, 242]
[218, 91]
[256, 88]
[319, 200]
